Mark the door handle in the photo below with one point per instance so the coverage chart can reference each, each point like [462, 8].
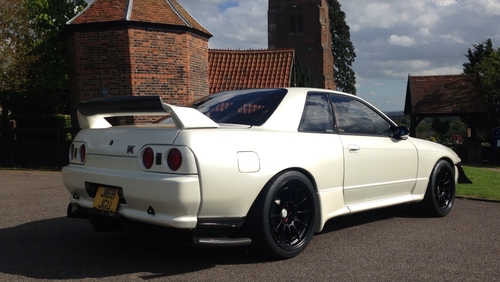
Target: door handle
[353, 148]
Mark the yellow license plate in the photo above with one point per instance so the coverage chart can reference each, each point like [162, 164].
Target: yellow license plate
[106, 199]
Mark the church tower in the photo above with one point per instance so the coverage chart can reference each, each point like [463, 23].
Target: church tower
[304, 25]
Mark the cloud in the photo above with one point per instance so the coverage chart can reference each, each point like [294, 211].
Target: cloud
[402, 40]
[444, 3]
[439, 71]
[368, 16]
[490, 7]
[452, 38]
[235, 24]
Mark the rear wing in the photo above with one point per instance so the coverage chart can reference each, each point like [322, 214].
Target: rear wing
[92, 113]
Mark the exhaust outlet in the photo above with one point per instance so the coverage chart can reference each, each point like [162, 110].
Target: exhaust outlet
[75, 211]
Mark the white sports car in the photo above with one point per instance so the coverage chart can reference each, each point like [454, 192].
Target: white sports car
[266, 167]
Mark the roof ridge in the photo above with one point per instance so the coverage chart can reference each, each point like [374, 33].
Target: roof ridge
[128, 10]
[81, 12]
[194, 19]
[438, 75]
[179, 14]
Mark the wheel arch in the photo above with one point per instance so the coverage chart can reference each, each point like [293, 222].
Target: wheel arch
[448, 160]
[305, 172]
[451, 163]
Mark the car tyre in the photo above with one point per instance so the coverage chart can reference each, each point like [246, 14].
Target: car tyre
[440, 195]
[283, 217]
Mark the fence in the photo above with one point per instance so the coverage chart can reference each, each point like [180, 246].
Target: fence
[35, 147]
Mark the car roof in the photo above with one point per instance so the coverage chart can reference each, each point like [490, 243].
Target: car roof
[288, 114]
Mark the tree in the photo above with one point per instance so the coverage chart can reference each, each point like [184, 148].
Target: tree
[484, 63]
[15, 54]
[480, 51]
[15, 45]
[32, 49]
[342, 49]
[300, 76]
[439, 126]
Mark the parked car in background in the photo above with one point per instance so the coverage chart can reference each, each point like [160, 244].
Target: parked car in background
[266, 167]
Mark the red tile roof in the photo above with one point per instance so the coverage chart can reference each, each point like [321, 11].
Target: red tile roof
[167, 12]
[234, 69]
[443, 95]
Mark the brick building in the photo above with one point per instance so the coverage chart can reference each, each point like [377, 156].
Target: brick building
[154, 47]
[134, 48]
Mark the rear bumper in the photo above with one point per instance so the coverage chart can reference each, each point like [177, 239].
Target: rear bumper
[215, 232]
[175, 199]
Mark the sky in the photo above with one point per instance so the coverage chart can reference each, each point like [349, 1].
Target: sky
[392, 38]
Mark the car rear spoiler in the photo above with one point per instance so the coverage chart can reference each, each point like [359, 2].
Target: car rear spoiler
[92, 113]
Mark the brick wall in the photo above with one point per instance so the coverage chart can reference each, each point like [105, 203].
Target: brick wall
[99, 63]
[197, 51]
[134, 61]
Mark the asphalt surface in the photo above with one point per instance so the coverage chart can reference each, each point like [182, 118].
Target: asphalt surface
[38, 242]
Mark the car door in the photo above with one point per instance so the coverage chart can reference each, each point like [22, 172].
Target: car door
[376, 165]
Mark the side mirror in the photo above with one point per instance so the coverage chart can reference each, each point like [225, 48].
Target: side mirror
[401, 132]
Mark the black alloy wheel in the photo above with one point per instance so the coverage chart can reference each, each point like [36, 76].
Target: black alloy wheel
[440, 194]
[286, 215]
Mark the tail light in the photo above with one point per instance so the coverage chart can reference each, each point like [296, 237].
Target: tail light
[71, 152]
[82, 154]
[77, 153]
[174, 159]
[167, 159]
[148, 158]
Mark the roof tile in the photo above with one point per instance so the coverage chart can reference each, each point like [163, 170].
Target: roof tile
[167, 12]
[235, 69]
[443, 95]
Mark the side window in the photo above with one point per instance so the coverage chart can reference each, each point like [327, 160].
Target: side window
[317, 115]
[354, 117]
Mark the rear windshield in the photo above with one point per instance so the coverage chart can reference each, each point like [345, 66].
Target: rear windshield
[249, 107]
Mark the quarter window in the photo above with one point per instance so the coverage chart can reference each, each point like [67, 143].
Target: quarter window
[317, 115]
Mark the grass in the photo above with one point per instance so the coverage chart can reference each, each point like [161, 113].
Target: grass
[485, 183]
